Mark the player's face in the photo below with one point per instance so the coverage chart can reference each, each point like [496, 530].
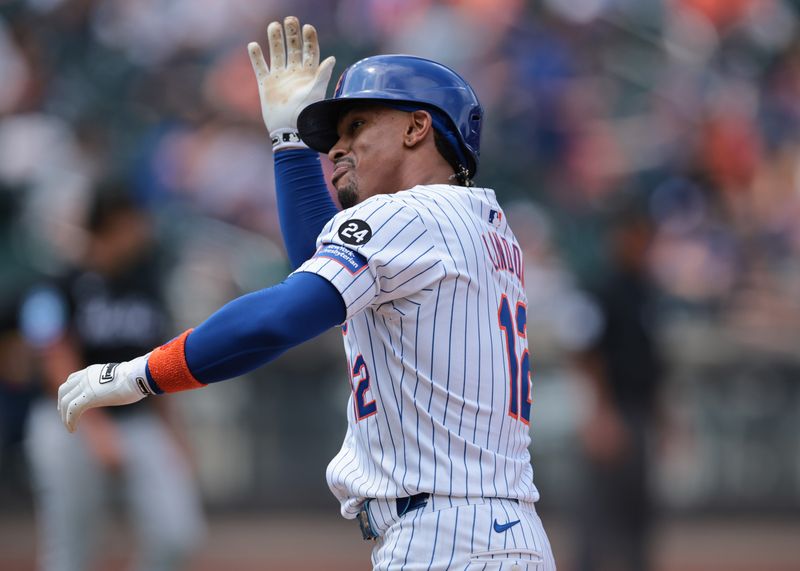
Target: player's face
[120, 243]
[368, 153]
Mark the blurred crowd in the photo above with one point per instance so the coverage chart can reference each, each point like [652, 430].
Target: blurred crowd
[689, 106]
[684, 112]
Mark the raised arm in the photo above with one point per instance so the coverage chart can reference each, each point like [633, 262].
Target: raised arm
[293, 80]
[304, 204]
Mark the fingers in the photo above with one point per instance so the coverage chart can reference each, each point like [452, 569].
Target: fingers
[68, 405]
[67, 386]
[294, 49]
[277, 51]
[257, 61]
[288, 50]
[310, 46]
[72, 399]
[74, 411]
[325, 70]
[323, 76]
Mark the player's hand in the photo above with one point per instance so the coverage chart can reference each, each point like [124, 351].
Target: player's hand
[294, 78]
[111, 384]
[606, 439]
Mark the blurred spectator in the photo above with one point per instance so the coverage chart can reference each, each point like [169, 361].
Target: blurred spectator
[107, 309]
[16, 393]
[624, 371]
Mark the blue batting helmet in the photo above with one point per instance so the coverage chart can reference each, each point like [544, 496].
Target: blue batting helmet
[393, 80]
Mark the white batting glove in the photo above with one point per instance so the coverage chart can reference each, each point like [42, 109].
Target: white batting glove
[294, 80]
[111, 384]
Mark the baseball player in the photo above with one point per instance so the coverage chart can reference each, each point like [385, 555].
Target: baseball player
[106, 308]
[425, 278]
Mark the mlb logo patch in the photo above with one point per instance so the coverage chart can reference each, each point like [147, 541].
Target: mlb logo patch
[495, 217]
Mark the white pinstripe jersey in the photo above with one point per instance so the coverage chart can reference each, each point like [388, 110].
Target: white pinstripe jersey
[435, 340]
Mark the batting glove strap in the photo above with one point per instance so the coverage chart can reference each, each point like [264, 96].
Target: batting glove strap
[286, 139]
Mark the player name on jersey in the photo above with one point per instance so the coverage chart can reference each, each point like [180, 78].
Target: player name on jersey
[504, 256]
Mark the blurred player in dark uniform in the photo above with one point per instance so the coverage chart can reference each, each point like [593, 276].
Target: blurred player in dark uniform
[624, 370]
[109, 309]
[16, 392]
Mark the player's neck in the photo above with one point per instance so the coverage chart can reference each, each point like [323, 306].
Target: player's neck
[425, 173]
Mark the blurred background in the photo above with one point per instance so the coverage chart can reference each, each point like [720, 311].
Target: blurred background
[647, 153]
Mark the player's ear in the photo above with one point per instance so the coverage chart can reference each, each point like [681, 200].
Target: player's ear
[419, 126]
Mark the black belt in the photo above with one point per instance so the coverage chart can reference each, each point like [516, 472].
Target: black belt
[403, 506]
[411, 503]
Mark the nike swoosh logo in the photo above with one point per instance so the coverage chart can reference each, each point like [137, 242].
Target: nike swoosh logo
[504, 527]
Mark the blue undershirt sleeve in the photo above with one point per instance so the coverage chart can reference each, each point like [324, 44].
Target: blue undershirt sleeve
[257, 327]
[304, 203]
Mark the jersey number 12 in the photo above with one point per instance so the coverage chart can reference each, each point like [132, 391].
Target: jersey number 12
[519, 370]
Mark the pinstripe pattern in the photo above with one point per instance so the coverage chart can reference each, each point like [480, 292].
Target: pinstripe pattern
[424, 317]
[462, 537]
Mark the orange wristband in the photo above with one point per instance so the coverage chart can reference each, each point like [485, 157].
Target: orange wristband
[168, 368]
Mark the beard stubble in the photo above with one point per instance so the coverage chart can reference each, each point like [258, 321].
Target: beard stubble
[348, 195]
